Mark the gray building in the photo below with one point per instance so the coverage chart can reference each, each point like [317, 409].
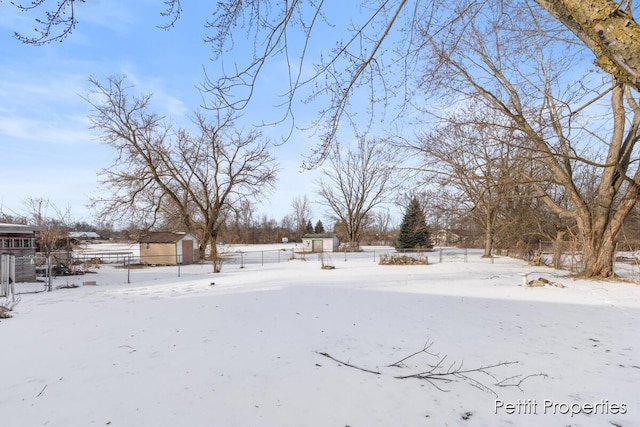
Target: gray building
[20, 240]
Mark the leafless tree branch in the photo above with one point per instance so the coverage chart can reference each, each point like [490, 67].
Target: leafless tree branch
[440, 372]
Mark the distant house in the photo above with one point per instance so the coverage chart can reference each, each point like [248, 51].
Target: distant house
[78, 236]
[444, 237]
[20, 241]
[325, 242]
[167, 248]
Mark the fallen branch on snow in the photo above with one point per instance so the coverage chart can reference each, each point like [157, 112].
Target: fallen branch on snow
[439, 372]
[348, 364]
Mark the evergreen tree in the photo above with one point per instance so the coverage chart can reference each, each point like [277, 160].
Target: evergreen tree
[319, 228]
[309, 228]
[414, 233]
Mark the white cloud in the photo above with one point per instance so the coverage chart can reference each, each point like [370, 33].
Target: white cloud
[29, 129]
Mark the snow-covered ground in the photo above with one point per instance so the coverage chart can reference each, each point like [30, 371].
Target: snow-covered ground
[263, 345]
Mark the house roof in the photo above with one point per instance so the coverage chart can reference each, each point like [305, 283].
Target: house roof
[83, 235]
[18, 228]
[319, 236]
[162, 237]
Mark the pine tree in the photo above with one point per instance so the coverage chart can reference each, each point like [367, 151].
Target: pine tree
[309, 228]
[414, 233]
[319, 228]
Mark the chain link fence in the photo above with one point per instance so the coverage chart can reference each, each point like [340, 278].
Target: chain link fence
[243, 259]
[130, 267]
[34, 274]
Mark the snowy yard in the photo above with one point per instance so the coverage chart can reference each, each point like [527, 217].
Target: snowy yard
[251, 350]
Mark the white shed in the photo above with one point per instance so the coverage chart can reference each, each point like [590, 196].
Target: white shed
[166, 248]
[326, 242]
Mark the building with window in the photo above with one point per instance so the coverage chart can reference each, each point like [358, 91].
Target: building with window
[20, 240]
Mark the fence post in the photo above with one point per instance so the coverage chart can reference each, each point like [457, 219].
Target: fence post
[49, 273]
[465, 254]
[440, 258]
[129, 269]
[4, 279]
[262, 259]
[8, 276]
[12, 275]
[241, 259]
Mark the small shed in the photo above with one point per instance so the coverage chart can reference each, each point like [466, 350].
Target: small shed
[168, 248]
[325, 242]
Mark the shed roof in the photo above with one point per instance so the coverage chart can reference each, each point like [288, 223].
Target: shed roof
[319, 236]
[162, 237]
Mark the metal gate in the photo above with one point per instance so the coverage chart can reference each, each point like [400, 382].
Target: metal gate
[7, 275]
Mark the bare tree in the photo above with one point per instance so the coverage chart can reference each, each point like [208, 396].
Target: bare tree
[356, 182]
[381, 224]
[160, 169]
[52, 221]
[241, 222]
[471, 152]
[11, 218]
[287, 225]
[301, 213]
[606, 27]
[561, 128]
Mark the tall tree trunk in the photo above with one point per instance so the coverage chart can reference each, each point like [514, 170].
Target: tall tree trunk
[558, 245]
[488, 220]
[488, 244]
[598, 258]
[213, 254]
[488, 240]
[609, 31]
[598, 237]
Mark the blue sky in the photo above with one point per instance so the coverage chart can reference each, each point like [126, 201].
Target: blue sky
[47, 148]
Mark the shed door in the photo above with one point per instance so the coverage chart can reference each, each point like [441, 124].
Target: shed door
[317, 246]
[187, 252]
